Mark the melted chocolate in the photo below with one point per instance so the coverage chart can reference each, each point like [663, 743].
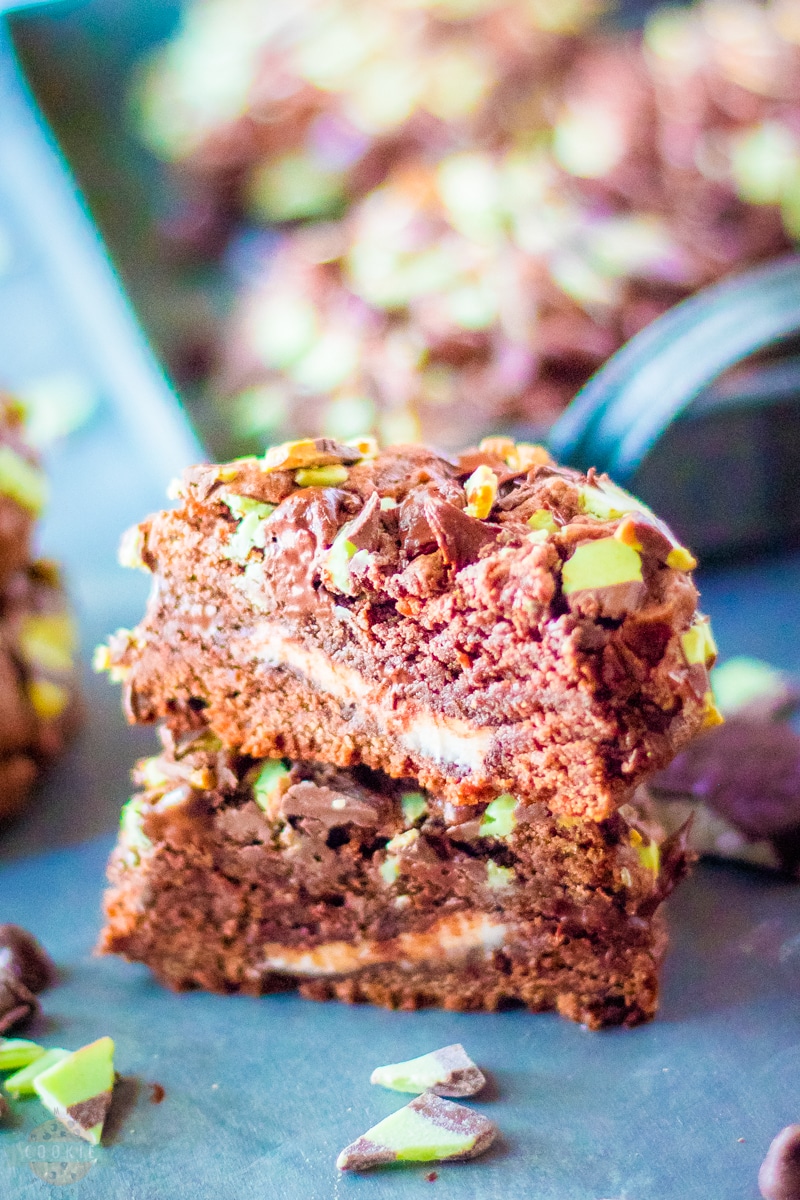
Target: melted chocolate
[300, 528]
[416, 535]
[613, 602]
[366, 529]
[459, 537]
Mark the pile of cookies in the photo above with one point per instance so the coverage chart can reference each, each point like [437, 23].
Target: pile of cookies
[478, 203]
[38, 640]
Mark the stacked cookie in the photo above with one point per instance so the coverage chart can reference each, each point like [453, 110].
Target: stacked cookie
[405, 702]
[37, 633]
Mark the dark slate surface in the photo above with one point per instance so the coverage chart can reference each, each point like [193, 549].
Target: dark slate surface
[260, 1095]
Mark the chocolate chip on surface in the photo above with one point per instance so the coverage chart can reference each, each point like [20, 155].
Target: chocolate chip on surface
[17, 1002]
[22, 954]
[779, 1176]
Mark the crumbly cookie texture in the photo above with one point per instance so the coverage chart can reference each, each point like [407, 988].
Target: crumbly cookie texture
[484, 625]
[235, 874]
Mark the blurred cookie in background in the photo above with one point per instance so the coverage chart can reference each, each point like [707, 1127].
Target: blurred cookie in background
[39, 707]
[476, 294]
[490, 231]
[287, 113]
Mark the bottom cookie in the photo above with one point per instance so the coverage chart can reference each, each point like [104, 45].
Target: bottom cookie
[235, 875]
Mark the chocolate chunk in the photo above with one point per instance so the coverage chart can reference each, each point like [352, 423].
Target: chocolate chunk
[459, 537]
[331, 808]
[675, 860]
[304, 524]
[26, 958]
[779, 1176]
[17, 1002]
[416, 535]
[748, 771]
[364, 531]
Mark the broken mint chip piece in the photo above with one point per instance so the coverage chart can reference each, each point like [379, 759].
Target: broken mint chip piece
[250, 533]
[497, 876]
[309, 452]
[21, 1083]
[446, 1072]
[22, 481]
[601, 564]
[267, 780]
[698, 643]
[321, 476]
[414, 805]
[499, 819]
[77, 1090]
[429, 1129]
[17, 1052]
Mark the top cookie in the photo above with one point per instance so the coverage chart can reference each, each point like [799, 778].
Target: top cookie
[488, 624]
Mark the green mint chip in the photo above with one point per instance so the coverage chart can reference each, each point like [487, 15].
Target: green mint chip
[499, 819]
[17, 1052]
[414, 805]
[77, 1089]
[21, 1083]
[268, 778]
[22, 481]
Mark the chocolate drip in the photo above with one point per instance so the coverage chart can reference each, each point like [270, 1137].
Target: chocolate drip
[299, 530]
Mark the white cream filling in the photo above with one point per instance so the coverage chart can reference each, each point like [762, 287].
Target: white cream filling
[452, 938]
[441, 739]
[273, 648]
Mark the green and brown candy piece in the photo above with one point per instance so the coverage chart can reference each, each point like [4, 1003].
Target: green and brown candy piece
[446, 1072]
[429, 1129]
[21, 1082]
[77, 1090]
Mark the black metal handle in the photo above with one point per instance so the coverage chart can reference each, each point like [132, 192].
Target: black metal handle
[619, 415]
